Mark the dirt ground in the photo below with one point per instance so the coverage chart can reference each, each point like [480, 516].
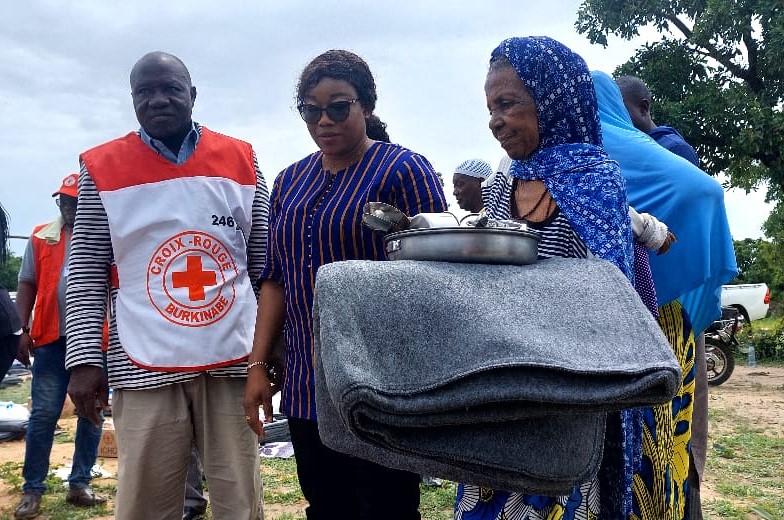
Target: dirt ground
[754, 393]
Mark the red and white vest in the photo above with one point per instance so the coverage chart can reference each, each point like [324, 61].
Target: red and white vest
[178, 232]
[48, 257]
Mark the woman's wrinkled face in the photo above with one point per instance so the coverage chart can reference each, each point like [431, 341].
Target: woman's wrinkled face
[336, 138]
[513, 118]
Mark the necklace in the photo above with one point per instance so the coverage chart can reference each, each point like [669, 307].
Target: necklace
[536, 207]
[343, 163]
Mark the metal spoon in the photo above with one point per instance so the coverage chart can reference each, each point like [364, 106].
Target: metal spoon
[480, 219]
[383, 217]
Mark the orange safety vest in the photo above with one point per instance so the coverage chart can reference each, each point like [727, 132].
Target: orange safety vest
[48, 260]
[181, 263]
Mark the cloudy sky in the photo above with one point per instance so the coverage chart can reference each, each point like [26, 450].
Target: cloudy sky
[64, 86]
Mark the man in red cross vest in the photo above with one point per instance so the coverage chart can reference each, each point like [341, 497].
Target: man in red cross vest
[175, 215]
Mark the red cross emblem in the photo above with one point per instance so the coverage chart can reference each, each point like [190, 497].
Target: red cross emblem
[200, 263]
[194, 278]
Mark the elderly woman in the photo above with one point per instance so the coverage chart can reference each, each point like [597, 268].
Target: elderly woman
[543, 112]
[315, 219]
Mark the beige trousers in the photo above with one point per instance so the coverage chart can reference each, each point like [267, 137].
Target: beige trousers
[155, 431]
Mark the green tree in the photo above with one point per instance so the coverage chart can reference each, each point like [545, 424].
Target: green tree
[717, 75]
[10, 271]
[773, 251]
[746, 255]
[758, 261]
[441, 178]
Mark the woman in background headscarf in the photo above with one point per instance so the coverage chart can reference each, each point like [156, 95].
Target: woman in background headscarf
[692, 204]
[543, 112]
[678, 193]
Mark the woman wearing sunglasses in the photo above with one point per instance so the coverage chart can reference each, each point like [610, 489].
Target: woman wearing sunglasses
[315, 219]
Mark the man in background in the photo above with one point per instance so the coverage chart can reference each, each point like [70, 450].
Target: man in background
[42, 284]
[637, 98]
[195, 502]
[467, 181]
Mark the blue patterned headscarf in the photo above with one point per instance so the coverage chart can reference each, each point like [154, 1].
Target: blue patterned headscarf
[584, 182]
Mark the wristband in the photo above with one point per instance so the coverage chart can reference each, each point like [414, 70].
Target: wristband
[268, 369]
[258, 364]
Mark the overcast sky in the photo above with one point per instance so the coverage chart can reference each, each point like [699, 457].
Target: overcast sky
[64, 83]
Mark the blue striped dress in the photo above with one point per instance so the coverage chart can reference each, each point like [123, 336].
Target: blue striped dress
[315, 219]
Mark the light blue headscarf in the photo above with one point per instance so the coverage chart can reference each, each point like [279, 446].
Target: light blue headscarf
[682, 196]
[581, 178]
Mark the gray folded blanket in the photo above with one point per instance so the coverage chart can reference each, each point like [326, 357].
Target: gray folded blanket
[494, 375]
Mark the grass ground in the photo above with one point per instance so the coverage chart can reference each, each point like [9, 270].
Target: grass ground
[745, 469]
[281, 489]
[767, 323]
[749, 466]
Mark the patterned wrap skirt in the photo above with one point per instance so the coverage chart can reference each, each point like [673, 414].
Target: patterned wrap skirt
[660, 487]
[659, 460]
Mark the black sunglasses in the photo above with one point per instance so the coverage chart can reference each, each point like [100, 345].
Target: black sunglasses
[65, 202]
[337, 111]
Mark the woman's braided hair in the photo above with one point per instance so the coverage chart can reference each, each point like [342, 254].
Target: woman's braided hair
[340, 65]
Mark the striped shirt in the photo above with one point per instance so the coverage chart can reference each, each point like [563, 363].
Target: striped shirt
[557, 238]
[315, 219]
[91, 258]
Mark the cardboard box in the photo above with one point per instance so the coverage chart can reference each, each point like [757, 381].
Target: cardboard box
[107, 448]
[69, 410]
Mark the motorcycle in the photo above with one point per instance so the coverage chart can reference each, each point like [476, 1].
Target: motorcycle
[720, 345]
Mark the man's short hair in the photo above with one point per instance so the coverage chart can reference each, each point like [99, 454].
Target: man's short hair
[633, 88]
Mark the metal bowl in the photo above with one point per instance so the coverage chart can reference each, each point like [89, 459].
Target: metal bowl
[464, 244]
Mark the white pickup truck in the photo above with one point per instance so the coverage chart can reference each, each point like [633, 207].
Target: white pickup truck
[751, 299]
